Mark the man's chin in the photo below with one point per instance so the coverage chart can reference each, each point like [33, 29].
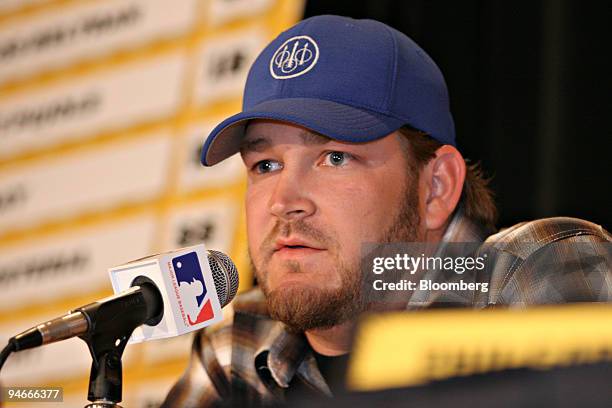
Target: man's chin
[303, 307]
[295, 283]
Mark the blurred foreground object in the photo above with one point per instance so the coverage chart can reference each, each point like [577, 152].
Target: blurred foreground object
[441, 344]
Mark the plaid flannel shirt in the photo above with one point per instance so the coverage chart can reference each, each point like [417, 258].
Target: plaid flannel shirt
[252, 360]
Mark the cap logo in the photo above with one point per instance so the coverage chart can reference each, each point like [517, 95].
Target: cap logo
[294, 57]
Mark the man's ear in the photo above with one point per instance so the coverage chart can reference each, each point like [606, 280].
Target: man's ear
[441, 185]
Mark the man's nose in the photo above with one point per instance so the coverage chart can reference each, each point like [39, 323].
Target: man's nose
[291, 200]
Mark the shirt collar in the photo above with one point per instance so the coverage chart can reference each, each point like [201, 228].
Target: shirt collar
[463, 229]
[283, 354]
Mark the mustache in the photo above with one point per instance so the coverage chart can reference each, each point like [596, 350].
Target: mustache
[286, 229]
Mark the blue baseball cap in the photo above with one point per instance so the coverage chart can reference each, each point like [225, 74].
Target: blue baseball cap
[350, 80]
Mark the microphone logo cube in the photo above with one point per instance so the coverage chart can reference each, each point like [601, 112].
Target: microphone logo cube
[185, 281]
[195, 301]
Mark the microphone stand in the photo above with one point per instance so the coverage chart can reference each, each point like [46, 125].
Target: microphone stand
[105, 377]
[111, 324]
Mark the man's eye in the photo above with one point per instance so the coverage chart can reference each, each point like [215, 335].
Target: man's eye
[337, 159]
[266, 166]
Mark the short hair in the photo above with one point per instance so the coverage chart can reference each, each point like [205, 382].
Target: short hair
[477, 197]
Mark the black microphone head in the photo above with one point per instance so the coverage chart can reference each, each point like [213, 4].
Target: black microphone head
[225, 276]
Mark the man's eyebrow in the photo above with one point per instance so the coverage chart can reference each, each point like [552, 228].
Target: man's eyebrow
[314, 138]
[259, 143]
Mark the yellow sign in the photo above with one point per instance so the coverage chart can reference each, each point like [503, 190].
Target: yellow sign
[410, 348]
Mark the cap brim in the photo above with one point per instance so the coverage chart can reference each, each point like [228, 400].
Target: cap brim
[331, 119]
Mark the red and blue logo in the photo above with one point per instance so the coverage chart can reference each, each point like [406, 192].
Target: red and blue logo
[192, 288]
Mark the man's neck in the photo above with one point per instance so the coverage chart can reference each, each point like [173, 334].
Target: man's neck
[333, 341]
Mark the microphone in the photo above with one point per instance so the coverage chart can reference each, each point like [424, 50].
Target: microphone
[170, 294]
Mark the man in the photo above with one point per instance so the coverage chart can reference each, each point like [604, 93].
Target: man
[347, 139]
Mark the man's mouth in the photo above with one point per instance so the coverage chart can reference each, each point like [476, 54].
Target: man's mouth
[295, 247]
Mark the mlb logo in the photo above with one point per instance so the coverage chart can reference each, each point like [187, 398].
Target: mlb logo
[195, 298]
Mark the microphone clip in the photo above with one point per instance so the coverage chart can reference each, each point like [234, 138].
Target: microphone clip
[111, 323]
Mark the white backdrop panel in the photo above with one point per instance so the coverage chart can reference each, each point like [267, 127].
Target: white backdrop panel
[193, 176]
[223, 64]
[212, 222]
[91, 29]
[86, 181]
[71, 263]
[85, 106]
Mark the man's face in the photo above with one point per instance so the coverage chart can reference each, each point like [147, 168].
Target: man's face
[311, 203]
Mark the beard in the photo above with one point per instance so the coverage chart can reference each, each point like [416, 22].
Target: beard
[304, 308]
